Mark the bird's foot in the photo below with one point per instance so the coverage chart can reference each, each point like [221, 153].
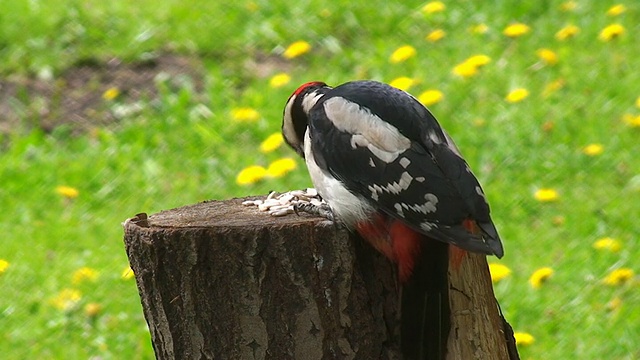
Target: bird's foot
[322, 210]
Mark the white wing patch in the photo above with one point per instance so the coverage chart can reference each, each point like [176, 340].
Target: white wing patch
[386, 156]
[399, 210]
[427, 226]
[434, 137]
[377, 135]
[481, 193]
[394, 188]
[404, 162]
[428, 206]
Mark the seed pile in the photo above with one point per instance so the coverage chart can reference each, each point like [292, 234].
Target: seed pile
[282, 204]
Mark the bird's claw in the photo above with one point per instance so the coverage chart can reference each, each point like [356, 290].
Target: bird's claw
[322, 210]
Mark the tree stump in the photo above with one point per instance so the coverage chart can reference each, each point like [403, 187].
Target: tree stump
[219, 280]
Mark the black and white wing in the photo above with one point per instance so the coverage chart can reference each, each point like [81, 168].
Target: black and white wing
[385, 146]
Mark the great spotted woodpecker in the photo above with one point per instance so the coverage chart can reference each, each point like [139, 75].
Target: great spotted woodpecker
[387, 170]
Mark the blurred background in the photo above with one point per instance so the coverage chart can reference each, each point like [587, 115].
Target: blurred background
[112, 108]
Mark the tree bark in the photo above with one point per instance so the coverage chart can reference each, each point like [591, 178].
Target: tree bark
[219, 280]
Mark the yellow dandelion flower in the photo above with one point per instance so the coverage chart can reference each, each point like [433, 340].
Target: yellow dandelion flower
[251, 175]
[593, 149]
[111, 93]
[84, 273]
[607, 243]
[402, 83]
[4, 265]
[548, 126]
[435, 35]
[614, 304]
[280, 167]
[540, 276]
[127, 273]
[433, 7]
[548, 56]
[92, 309]
[470, 66]
[296, 49]
[618, 276]
[567, 32]
[546, 195]
[498, 272]
[523, 338]
[402, 54]
[478, 60]
[431, 97]
[569, 6]
[631, 120]
[517, 95]
[516, 30]
[245, 114]
[252, 6]
[638, 102]
[480, 29]
[479, 122]
[271, 143]
[66, 299]
[465, 69]
[68, 192]
[552, 87]
[558, 220]
[616, 10]
[611, 32]
[279, 80]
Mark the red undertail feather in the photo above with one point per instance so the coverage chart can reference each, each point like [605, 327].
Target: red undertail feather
[376, 233]
[406, 246]
[402, 245]
[398, 242]
[471, 226]
[456, 254]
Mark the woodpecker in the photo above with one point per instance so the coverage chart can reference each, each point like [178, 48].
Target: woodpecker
[387, 170]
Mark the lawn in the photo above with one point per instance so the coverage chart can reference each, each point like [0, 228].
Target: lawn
[541, 97]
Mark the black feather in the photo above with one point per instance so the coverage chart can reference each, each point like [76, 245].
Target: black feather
[446, 174]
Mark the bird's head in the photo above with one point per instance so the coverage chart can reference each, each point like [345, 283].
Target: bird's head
[296, 113]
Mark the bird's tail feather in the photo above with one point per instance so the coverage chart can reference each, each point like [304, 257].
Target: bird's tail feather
[425, 305]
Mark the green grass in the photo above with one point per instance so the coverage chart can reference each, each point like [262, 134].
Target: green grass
[174, 153]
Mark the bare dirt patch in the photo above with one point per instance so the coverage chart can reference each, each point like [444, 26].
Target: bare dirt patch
[76, 97]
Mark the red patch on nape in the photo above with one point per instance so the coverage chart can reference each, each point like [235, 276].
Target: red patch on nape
[406, 247]
[306, 85]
